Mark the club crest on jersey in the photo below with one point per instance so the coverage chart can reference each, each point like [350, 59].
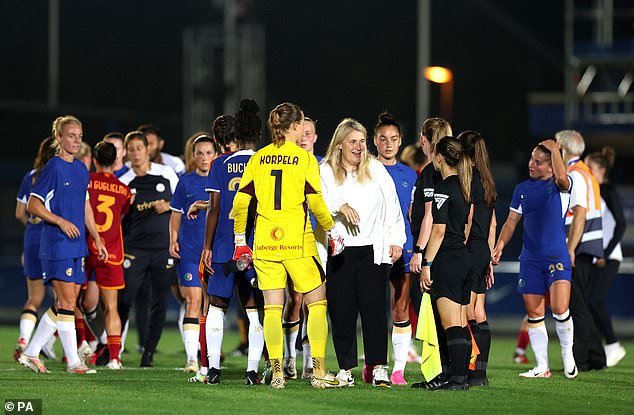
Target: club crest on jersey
[160, 187]
[277, 233]
[69, 272]
[440, 200]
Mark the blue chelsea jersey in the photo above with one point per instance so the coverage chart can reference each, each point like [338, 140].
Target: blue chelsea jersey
[404, 179]
[34, 225]
[62, 187]
[544, 208]
[191, 236]
[224, 177]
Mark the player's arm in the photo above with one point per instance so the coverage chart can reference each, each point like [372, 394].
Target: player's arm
[436, 237]
[576, 230]
[490, 279]
[241, 203]
[92, 230]
[467, 228]
[36, 207]
[415, 264]
[505, 235]
[211, 223]
[560, 171]
[20, 213]
[315, 197]
[175, 225]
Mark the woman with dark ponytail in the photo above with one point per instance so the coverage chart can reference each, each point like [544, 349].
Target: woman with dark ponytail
[480, 242]
[447, 260]
[606, 268]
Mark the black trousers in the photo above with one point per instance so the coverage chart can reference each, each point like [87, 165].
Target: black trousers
[587, 348]
[147, 265]
[601, 281]
[355, 285]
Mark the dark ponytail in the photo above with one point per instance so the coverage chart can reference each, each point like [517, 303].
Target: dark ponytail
[248, 122]
[473, 144]
[451, 149]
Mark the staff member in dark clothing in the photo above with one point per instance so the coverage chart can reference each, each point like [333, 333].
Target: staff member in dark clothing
[606, 268]
[147, 239]
[447, 261]
[480, 242]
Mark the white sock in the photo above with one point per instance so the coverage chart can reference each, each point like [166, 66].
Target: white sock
[191, 332]
[181, 317]
[214, 333]
[68, 336]
[103, 337]
[27, 324]
[256, 340]
[45, 330]
[124, 334]
[308, 358]
[565, 331]
[291, 330]
[204, 370]
[401, 335]
[539, 341]
[50, 343]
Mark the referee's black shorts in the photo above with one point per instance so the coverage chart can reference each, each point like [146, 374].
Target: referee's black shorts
[481, 260]
[450, 274]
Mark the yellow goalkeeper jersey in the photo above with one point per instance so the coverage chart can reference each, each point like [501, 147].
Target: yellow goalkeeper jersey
[285, 182]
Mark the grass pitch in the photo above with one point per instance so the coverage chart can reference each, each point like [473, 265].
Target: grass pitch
[164, 390]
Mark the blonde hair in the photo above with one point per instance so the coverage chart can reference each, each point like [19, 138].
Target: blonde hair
[59, 124]
[333, 154]
[434, 129]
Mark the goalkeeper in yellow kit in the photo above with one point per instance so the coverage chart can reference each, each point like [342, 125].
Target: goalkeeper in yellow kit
[284, 180]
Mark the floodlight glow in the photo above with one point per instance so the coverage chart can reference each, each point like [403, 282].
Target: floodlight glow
[438, 74]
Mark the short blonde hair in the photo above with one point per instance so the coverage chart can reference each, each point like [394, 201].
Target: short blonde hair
[60, 122]
[571, 141]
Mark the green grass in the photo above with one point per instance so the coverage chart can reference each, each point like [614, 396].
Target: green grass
[163, 389]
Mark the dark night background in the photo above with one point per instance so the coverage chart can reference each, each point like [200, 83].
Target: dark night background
[121, 65]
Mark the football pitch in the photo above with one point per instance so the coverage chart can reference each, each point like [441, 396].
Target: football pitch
[164, 390]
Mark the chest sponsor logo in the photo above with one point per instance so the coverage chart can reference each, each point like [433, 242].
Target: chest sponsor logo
[440, 200]
[277, 233]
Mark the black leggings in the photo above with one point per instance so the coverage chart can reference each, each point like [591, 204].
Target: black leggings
[153, 265]
[355, 285]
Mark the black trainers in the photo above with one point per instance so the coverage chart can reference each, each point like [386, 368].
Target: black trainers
[450, 385]
[251, 378]
[475, 382]
[213, 377]
[442, 378]
[147, 359]
[103, 356]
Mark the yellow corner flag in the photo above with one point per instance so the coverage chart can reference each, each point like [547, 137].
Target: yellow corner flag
[426, 332]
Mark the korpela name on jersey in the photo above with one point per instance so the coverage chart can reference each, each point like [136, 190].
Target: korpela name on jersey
[279, 160]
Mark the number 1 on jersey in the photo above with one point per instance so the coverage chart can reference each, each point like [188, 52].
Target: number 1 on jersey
[277, 198]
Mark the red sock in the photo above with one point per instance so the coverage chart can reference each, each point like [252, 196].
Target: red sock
[202, 339]
[80, 328]
[89, 335]
[522, 339]
[114, 346]
[413, 319]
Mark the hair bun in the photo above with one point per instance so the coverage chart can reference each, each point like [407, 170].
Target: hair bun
[249, 105]
[386, 117]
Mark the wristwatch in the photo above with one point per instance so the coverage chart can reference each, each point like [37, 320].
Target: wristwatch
[426, 263]
[417, 250]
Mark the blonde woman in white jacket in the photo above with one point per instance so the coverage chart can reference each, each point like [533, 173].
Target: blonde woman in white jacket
[362, 198]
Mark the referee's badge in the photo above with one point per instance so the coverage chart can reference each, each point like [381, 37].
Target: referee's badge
[160, 187]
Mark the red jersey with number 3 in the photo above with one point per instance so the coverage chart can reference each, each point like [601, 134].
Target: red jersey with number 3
[110, 200]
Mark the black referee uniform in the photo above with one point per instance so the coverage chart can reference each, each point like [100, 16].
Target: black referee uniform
[146, 244]
[451, 267]
[478, 244]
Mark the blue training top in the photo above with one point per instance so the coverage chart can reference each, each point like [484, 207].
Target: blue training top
[544, 208]
[62, 187]
[191, 235]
